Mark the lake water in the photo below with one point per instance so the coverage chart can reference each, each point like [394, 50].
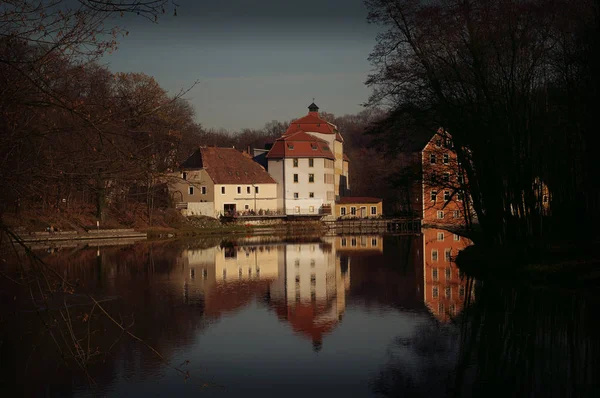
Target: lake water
[359, 316]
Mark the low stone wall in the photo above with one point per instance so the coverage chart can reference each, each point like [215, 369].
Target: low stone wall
[199, 209]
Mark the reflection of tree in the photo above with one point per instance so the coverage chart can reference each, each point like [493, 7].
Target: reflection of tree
[529, 342]
[421, 365]
[133, 284]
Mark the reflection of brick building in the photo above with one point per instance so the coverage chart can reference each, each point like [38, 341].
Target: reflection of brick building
[444, 289]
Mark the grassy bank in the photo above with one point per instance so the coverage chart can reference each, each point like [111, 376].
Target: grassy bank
[165, 223]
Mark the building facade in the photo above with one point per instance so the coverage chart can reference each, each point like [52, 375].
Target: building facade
[303, 167]
[358, 207]
[223, 181]
[318, 127]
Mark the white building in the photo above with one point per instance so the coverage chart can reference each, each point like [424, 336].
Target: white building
[223, 181]
[318, 127]
[303, 166]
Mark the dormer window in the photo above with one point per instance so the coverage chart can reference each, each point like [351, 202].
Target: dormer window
[290, 147]
[313, 146]
[325, 148]
[184, 175]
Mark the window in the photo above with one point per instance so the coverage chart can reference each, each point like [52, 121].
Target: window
[291, 147]
[434, 274]
[432, 158]
[456, 237]
[343, 242]
[239, 190]
[373, 242]
[191, 190]
[330, 195]
[342, 211]
[246, 207]
[311, 209]
[461, 291]
[456, 213]
[445, 158]
[353, 242]
[297, 263]
[373, 210]
[438, 142]
[440, 214]
[448, 292]
[448, 273]
[311, 162]
[295, 195]
[312, 263]
[459, 196]
[313, 146]
[434, 255]
[184, 175]
[353, 210]
[440, 236]
[203, 190]
[311, 194]
[448, 255]
[256, 190]
[446, 177]
[222, 190]
[328, 178]
[440, 308]
[446, 195]
[311, 178]
[545, 199]
[434, 292]
[433, 196]
[295, 177]
[248, 190]
[461, 179]
[297, 209]
[452, 309]
[295, 162]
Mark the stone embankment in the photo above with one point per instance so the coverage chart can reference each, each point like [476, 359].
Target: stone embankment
[92, 234]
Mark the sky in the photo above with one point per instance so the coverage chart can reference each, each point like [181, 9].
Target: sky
[254, 61]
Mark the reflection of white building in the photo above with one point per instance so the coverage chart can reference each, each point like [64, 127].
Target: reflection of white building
[304, 283]
[308, 273]
[234, 263]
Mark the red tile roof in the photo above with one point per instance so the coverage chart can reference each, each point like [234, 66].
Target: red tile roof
[346, 200]
[228, 166]
[314, 124]
[304, 319]
[300, 145]
[346, 158]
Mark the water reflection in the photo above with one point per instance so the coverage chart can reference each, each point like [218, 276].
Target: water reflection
[357, 315]
[444, 286]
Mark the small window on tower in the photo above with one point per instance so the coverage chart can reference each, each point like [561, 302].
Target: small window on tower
[290, 146]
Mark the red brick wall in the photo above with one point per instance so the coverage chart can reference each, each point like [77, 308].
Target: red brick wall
[441, 177]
